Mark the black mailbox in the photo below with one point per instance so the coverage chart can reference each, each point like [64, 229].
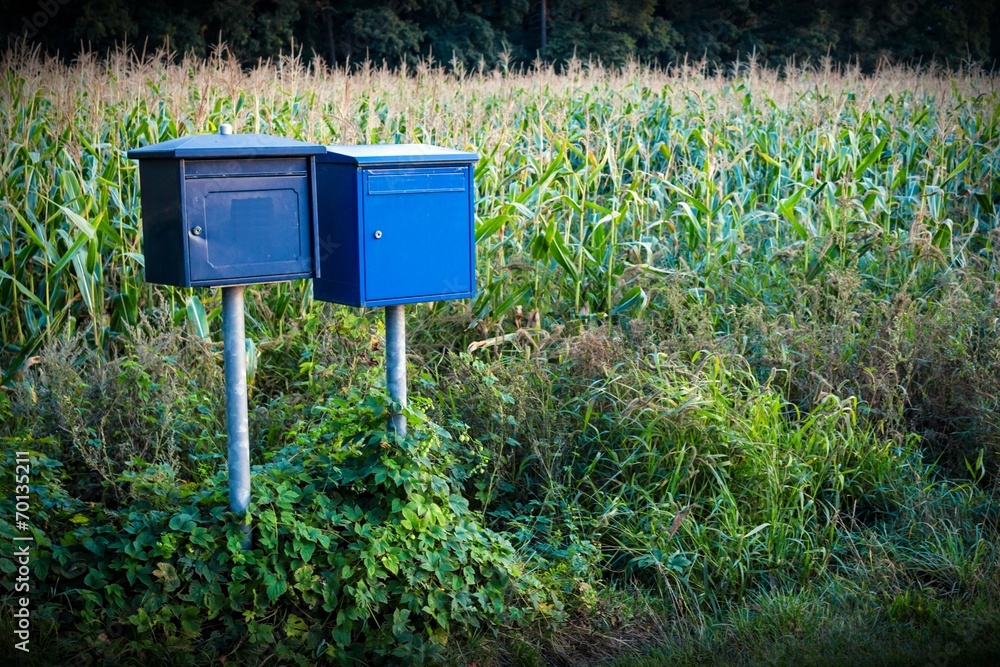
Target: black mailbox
[395, 225]
[227, 209]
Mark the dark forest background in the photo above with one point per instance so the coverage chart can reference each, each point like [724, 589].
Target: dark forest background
[496, 31]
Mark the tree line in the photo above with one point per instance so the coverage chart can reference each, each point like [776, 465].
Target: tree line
[493, 32]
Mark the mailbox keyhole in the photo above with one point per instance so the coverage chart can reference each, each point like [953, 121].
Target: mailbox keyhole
[196, 231]
[378, 233]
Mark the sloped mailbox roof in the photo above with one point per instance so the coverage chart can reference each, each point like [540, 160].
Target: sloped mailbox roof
[227, 146]
[372, 155]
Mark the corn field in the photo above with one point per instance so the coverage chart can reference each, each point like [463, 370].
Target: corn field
[594, 185]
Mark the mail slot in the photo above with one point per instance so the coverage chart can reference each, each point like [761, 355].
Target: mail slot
[227, 209]
[395, 224]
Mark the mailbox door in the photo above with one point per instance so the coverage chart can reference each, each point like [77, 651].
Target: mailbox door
[248, 229]
[417, 234]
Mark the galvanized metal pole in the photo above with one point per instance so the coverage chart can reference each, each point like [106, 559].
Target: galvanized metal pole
[234, 340]
[395, 363]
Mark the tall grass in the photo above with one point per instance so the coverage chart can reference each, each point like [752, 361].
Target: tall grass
[702, 491]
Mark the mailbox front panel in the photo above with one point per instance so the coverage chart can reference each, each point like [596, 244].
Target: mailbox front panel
[417, 234]
[248, 229]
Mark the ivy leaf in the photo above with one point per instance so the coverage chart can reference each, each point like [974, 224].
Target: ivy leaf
[410, 520]
[94, 579]
[275, 587]
[295, 626]
[168, 574]
[182, 522]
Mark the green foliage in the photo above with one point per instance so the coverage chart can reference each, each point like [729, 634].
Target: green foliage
[915, 366]
[101, 415]
[835, 626]
[612, 32]
[702, 480]
[467, 33]
[704, 487]
[362, 547]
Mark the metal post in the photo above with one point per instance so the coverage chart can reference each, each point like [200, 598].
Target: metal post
[234, 340]
[395, 363]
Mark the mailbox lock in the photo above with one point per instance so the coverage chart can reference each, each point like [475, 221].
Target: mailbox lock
[378, 233]
[196, 231]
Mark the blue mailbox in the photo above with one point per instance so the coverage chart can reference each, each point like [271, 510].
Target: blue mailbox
[227, 209]
[396, 224]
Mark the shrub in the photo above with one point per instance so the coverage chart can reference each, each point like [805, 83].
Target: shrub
[363, 550]
[101, 415]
